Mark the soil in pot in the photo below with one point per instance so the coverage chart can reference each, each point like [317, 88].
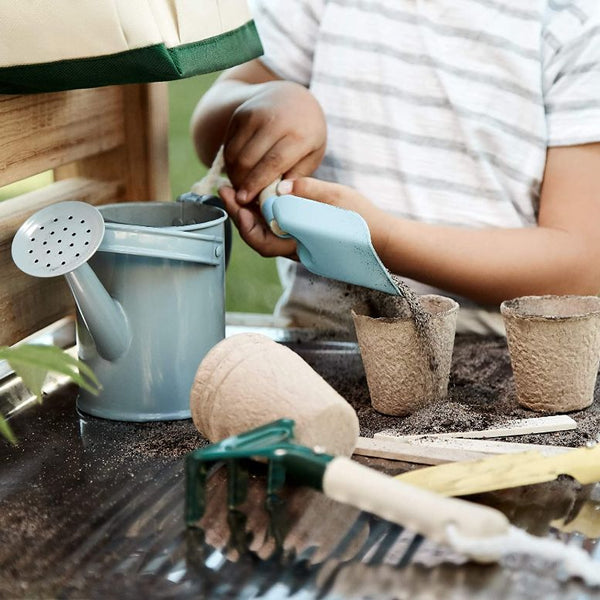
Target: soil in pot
[406, 345]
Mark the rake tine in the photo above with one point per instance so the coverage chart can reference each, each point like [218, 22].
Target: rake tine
[410, 551]
[239, 538]
[388, 540]
[195, 503]
[237, 483]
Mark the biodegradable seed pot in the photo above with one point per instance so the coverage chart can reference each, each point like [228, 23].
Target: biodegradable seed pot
[397, 360]
[249, 380]
[554, 346]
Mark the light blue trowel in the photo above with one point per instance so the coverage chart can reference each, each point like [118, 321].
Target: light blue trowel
[332, 242]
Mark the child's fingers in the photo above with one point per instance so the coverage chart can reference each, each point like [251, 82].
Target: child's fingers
[241, 159]
[237, 136]
[280, 157]
[255, 232]
[227, 194]
[313, 189]
[344, 197]
[253, 229]
[306, 166]
[262, 160]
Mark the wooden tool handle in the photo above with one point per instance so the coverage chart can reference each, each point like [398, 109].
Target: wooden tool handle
[268, 192]
[420, 510]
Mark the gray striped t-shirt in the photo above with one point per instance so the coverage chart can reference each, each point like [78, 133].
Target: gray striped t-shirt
[440, 110]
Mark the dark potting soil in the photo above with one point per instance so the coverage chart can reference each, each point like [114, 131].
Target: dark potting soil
[481, 394]
[92, 506]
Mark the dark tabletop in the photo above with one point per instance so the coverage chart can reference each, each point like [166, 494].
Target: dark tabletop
[94, 509]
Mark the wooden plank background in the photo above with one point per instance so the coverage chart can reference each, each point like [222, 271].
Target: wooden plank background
[104, 145]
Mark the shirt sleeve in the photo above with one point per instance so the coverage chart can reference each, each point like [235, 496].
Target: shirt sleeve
[572, 79]
[288, 30]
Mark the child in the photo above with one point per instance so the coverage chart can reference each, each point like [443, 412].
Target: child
[465, 132]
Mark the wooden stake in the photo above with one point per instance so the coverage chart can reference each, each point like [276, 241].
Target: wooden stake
[435, 451]
[517, 427]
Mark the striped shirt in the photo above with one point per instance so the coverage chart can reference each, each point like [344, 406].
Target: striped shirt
[442, 111]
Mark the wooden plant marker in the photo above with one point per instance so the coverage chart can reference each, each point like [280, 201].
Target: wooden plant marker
[479, 465]
[516, 427]
[430, 451]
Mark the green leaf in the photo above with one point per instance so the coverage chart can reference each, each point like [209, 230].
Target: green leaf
[50, 358]
[6, 431]
[33, 378]
[32, 362]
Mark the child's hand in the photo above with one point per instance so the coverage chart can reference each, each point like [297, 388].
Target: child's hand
[253, 228]
[279, 131]
[343, 197]
[256, 232]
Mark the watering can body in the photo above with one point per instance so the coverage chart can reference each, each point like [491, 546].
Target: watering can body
[163, 266]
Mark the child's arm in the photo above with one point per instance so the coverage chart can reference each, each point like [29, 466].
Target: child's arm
[269, 127]
[559, 256]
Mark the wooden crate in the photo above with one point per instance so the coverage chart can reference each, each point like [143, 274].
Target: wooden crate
[104, 145]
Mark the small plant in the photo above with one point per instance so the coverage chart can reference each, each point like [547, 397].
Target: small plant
[33, 362]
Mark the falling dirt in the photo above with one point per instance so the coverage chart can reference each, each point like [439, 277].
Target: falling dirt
[393, 307]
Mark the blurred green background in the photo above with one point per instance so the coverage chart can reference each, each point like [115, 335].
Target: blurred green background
[252, 283]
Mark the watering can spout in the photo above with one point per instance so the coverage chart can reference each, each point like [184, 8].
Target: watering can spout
[103, 315]
[59, 240]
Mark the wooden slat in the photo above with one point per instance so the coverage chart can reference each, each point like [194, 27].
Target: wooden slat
[155, 124]
[440, 451]
[104, 145]
[44, 131]
[28, 303]
[141, 163]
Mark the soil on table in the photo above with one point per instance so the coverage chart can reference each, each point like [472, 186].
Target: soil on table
[481, 394]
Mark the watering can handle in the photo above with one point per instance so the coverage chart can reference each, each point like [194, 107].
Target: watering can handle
[212, 201]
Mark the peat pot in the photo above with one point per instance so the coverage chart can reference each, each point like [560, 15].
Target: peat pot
[554, 346]
[399, 369]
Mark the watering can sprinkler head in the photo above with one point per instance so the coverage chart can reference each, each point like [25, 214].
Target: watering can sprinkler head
[59, 240]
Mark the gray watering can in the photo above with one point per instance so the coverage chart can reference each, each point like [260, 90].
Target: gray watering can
[149, 283]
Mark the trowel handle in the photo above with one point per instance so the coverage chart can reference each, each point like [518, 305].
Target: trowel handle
[422, 511]
[266, 200]
[267, 212]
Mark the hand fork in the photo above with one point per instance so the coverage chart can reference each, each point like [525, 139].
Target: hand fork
[341, 479]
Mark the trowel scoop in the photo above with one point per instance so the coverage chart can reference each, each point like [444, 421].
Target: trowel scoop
[59, 240]
[332, 242]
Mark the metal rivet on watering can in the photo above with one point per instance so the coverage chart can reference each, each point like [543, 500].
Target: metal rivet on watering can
[218, 251]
